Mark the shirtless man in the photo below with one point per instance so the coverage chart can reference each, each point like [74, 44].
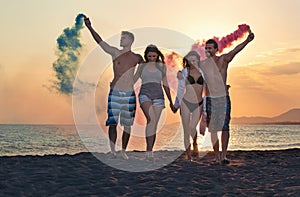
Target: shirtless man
[218, 105]
[121, 99]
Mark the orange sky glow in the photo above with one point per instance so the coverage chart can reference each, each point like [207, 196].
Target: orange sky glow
[264, 77]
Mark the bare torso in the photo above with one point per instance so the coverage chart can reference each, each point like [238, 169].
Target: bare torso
[215, 67]
[123, 68]
[215, 73]
[222, 66]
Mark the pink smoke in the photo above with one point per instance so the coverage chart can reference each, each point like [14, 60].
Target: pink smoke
[227, 41]
[200, 48]
[223, 42]
[173, 60]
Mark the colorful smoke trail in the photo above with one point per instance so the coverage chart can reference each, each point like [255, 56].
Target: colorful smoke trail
[68, 52]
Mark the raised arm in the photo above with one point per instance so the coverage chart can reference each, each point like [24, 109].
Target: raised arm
[229, 56]
[106, 47]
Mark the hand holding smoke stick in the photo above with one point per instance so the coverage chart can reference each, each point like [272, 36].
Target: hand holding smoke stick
[223, 42]
[87, 21]
[250, 36]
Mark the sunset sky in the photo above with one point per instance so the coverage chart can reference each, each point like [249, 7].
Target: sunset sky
[264, 76]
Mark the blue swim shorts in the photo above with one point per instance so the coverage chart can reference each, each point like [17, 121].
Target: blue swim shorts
[121, 104]
[217, 110]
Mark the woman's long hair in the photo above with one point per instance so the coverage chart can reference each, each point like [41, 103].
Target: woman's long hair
[153, 48]
[185, 62]
[160, 57]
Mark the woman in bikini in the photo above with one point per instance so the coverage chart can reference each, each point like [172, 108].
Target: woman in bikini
[189, 99]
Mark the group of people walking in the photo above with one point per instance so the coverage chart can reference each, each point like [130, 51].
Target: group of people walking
[202, 91]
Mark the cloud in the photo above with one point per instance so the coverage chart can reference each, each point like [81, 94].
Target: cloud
[280, 54]
[261, 89]
[243, 81]
[292, 68]
[284, 51]
[247, 77]
[292, 50]
[265, 79]
[264, 69]
[281, 69]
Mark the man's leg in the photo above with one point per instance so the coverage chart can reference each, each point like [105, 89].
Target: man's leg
[112, 121]
[112, 133]
[225, 132]
[215, 143]
[225, 140]
[212, 127]
[127, 115]
[125, 140]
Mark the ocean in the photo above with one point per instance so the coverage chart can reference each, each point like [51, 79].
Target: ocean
[69, 139]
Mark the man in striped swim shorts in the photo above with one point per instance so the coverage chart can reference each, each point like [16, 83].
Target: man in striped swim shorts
[218, 104]
[121, 99]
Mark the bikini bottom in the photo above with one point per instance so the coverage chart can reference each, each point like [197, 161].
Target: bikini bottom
[191, 106]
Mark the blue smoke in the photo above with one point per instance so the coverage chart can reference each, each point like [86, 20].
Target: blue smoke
[68, 51]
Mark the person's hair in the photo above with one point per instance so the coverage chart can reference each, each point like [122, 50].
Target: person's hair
[160, 57]
[129, 34]
[185, 62]
[153, 48]
[212, 41]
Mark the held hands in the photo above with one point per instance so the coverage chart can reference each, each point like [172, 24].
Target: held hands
[174, 110]
[179, 75]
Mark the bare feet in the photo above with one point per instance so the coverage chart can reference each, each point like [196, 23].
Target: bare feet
[195, 147]
[195, 152]
[218, 158]
[188, 155]
[124, 155]
[149, 156]
[113, 154]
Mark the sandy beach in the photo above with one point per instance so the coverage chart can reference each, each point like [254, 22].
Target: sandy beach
[250, 173]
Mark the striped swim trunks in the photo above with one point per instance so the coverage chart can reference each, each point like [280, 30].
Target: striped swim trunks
[217, 111]
[121, 104]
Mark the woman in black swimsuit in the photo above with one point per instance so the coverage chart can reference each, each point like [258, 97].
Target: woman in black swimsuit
[189, 99]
